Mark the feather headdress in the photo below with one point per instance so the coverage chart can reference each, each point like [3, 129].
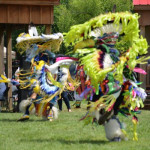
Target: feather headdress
[116, 35]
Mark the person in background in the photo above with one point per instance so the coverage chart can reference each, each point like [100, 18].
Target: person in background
[64, 96]
[2, 90]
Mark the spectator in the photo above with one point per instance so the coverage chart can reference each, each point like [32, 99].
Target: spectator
[2, 90]
[64, 96]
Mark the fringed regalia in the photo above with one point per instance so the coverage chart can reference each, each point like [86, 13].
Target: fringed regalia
[47, 78]
[109, 47]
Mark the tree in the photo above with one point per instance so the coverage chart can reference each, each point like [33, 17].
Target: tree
[72, 12]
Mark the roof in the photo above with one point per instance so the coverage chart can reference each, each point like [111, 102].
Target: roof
[141, 2]
[27, 11]
[30, 2]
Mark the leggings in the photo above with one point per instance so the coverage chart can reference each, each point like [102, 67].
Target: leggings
[64, 95]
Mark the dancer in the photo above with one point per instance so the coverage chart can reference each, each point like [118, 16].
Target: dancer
[109, 47]
[43, 78]
[43, 83]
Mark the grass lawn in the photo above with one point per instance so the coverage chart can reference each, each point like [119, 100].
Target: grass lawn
[67, 133]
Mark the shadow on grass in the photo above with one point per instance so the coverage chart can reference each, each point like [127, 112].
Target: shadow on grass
[83, 141]
[63, 141]
[30, 120]
[14, 120]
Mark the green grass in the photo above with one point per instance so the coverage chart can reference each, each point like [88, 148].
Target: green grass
[67, 133]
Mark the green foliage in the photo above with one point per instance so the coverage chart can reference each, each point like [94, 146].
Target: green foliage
[85, 10]
[41, 29]
[121, 5]
[65, 2]
[72, 12]
[63, 18]
[15, 34]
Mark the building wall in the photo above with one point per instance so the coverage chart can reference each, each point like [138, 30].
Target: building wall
[25, 14]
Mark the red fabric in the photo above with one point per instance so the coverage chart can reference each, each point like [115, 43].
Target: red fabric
[141, 2]
[45, 109]
[81, 77]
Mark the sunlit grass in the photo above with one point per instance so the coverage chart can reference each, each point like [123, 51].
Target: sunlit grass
[67, 133]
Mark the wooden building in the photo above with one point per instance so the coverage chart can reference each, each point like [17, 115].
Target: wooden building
[15, 14]
[142, 7]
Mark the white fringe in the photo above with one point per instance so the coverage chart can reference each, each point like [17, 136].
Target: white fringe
[55, 112]
[23, 105]
[112, 130]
